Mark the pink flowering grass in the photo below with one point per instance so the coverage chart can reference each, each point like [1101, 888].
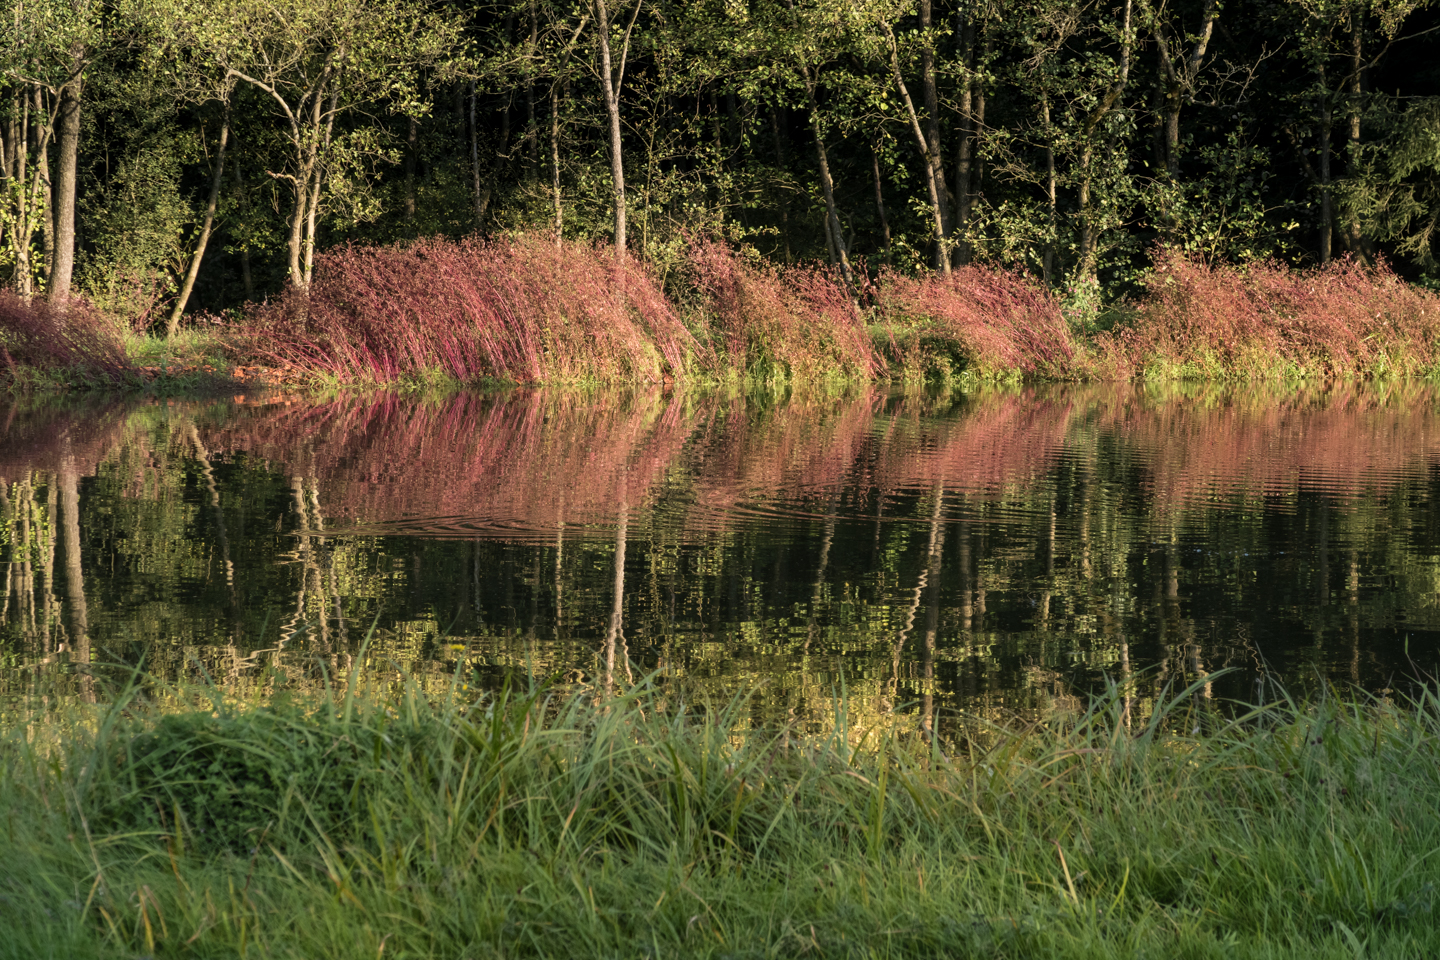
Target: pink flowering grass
[793, 323]
[521, 309]
[988, 321]
[1268, 320]
[75, 340]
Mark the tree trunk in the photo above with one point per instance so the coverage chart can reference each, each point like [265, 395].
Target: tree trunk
[964, 194]
[317, 188]
[930, 160]
[880, 201]
[1049, 261]
[931, 97]
[1170, 94]
[412, 151]
[312, 213]
[297, 228]
[47, 216]
[555, 164]
[23, 226]
[7, 146]
[532, 128]
[1327, 213]
[1357, 67]
[977, 163]
[66, 183]
[172, 327]
[1089, 234]
[479, 195]
[612, 110]
[1179, 83]
[834, 231]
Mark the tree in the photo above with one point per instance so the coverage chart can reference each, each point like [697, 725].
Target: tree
[612, 82]
[1071, 65]
[929, 146]
[169, 48]
[1181, 57]
[1395, 190]
[319, 64]
[48, 46]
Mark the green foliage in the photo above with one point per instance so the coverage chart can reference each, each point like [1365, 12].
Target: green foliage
[1395, 191]
[635, 824]
[139, 221]
[1228, 214]
[1228, 130]
[227, 780]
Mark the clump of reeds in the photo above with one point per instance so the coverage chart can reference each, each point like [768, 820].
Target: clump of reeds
[987, 321]
[73, 340]
[792, 323]
[1265, 319]
[625, 823]
[522, 309]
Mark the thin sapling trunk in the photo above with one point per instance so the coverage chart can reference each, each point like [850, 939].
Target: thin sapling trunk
[217, 175]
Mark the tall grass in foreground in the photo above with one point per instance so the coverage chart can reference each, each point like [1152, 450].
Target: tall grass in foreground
[1200, 321]
[521, 827]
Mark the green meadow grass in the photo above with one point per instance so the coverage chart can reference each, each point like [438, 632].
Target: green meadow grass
[523, 825]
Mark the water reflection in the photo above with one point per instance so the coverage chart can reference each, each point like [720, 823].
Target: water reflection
[996, 549]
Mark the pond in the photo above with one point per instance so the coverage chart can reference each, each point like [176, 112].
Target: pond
[999, 550]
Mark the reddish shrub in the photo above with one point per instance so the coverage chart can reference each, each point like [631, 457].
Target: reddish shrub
[521, 309]
[799, 321]
[76, 338]
[1265, 318]
[999, 321]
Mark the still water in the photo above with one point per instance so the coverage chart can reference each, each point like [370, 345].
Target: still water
[997, 550]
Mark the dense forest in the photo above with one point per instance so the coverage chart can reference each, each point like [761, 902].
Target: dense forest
[161, 155]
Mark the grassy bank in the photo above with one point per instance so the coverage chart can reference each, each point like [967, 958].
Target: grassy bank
[44, 349]
[528, 310]
[519, 826]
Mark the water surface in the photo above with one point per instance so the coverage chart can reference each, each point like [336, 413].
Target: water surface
[997, 550]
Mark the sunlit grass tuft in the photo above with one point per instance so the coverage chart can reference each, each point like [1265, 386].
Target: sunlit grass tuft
[523, 825]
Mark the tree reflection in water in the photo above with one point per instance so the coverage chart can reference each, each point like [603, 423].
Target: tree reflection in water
[995, 549]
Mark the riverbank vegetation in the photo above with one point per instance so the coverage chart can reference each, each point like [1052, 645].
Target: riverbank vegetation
[631, 822]
[529, 310]
[965, 175]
